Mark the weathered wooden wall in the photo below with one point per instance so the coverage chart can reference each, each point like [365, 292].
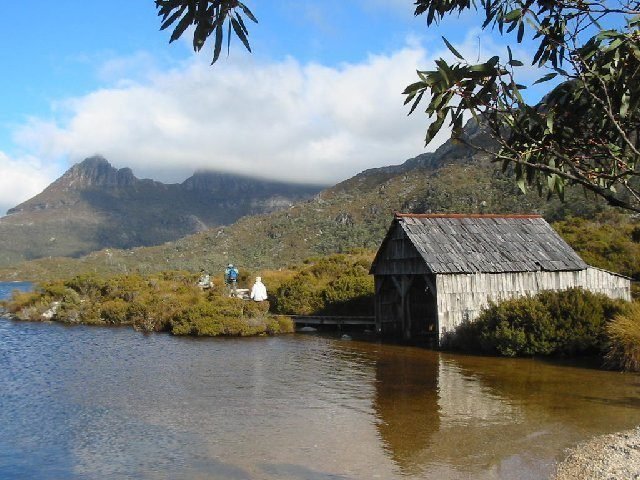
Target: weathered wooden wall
[461, 297]
[398, 256]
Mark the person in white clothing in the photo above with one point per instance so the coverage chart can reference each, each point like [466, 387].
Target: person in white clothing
[258, 291]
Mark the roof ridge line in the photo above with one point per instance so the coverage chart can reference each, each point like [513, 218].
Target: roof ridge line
[463, 215]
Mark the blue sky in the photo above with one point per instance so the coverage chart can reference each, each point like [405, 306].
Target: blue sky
[318, 101]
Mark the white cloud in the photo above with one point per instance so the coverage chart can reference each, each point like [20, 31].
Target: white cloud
[285, 120]
[21, 179]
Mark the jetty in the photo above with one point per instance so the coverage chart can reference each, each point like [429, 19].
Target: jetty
[316, 320]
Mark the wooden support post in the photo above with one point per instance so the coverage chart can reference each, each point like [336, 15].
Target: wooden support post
[403, 284]
[377, 304]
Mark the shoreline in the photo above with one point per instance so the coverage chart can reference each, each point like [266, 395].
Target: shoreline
[614, 455]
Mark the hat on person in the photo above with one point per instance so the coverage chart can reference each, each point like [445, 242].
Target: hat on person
[230, 265]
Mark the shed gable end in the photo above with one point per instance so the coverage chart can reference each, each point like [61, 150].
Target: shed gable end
[398, 255]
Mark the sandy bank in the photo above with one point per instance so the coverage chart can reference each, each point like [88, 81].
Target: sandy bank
[615, 456]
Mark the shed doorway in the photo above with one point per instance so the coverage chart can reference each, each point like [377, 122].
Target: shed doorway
[423, 309]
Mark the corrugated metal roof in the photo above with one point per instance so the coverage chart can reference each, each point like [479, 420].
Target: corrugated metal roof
[488, 243]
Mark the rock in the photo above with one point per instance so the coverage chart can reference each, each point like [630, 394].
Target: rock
[614, 456]
[51, 312]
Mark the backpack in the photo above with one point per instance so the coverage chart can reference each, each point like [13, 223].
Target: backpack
[233, 274]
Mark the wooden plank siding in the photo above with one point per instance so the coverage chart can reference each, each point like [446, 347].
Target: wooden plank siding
[461, 297]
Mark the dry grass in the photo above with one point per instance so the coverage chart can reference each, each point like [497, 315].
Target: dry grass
[624, 339]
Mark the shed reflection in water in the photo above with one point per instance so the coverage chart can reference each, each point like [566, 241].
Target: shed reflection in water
[452, 416]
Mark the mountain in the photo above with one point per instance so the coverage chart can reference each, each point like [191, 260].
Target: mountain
[95, 206]
[353, 214]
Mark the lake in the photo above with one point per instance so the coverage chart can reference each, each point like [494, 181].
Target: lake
[92, 403]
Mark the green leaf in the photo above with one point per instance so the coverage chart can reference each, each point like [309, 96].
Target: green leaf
[546, 78]
[453, 50]
[182, 26]
[413, 88]
[513, 15]
[520, 32]
[434, 128]
[218, 43]
[415, 104]
[550, 122]
[247, 12]
[173, 17]
[240, 33]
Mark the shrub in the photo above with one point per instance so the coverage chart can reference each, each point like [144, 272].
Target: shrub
[336, 285]
[580, 318]
[280, 324]
[299, 296]
[624, 339]
[244, 319]
[517, 327]
[349, 295]
[569, 322]
[198, 319]
[114, 311]
[21, 300]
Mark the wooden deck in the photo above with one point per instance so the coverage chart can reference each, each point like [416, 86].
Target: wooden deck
[309, 320]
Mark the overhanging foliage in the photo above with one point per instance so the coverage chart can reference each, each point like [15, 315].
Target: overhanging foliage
[585, 131]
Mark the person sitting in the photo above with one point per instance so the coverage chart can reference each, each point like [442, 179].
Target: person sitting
[231, 279]
[258, 291]
[205, 279]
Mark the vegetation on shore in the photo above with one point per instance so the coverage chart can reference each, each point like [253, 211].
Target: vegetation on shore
[609, 240]
[169, 301]
[334, 285]
[624, 339]
[565, 323]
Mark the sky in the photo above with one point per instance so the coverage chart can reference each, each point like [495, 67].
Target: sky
[318, 101]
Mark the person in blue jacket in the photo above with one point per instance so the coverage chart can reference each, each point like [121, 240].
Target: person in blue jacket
[231, 279]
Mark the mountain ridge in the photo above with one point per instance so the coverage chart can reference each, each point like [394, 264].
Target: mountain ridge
[354, 214]
[94, 206]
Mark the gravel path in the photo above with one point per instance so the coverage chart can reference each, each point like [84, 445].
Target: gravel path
[608, 457]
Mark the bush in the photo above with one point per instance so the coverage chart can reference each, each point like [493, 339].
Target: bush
[335, 285]
[624, 339]
[171, 301]
[300, 296]
[569, 322]
[114, 311]
[230, 317]
[21, 301]
[517, 327]
[580, 318]
[199, 319]
[280, 324]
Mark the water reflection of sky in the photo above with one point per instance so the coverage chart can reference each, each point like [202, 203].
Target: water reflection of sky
[79, 402]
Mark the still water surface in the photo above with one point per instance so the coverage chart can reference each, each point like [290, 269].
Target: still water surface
[94, 403]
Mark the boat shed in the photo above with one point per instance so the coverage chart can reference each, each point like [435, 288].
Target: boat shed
[433, 272]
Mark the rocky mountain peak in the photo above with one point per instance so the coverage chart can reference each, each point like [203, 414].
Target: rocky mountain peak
[95, 171]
